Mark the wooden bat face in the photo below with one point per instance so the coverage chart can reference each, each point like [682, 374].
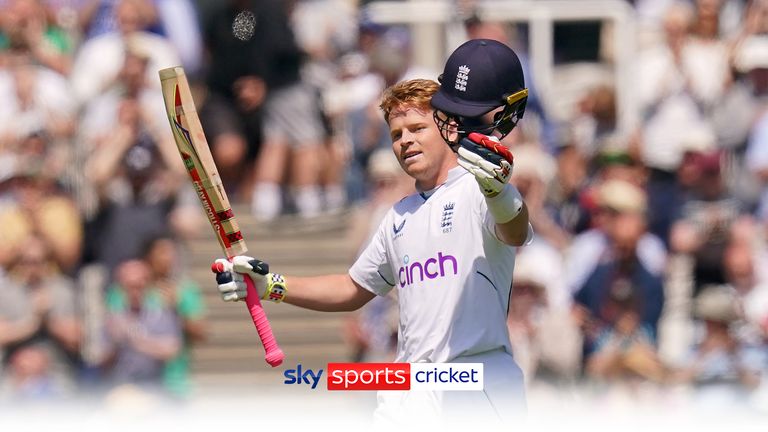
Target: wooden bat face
[194, 151]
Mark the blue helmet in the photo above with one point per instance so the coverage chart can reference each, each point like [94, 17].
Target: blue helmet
[480, 75]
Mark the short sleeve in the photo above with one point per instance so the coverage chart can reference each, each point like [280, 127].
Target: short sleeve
[372, 269]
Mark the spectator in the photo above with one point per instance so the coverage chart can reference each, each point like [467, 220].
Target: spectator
[35, 205]
[705, 55]
[99, 60]
[669, 106]
[591, 248]
[704, 227]
[544, 340]
[533, 174]
[266, 81]
[740, 263]
[324, 30]
[136, 172]
[36, 99]
[182, 295]
[621, 269]
[722, 369]
[39, 323]
[99, 17]
[26, 28]
[179, 23]
[596, 121]
[751, 59]
[103, 114]
[527, 299]
[624, 346]
[30, 379]
[144, 332]
[565, 194]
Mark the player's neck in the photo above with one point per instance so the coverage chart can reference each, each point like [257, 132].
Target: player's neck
[440, 178]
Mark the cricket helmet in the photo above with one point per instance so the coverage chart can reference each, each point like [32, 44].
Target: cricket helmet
[480, 76]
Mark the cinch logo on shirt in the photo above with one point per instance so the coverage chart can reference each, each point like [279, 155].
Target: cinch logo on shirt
[431, 268]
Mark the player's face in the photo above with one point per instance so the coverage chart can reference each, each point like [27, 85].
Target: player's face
[419, 147]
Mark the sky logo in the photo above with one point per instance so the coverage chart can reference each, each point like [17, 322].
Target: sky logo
[299, 376]
[432, 268]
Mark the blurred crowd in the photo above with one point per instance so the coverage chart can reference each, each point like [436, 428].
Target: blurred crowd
[648, 271]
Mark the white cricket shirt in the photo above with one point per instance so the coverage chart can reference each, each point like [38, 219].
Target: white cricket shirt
[452, 273]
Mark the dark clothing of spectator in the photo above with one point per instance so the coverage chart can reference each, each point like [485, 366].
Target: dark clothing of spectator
[121, 230]
[712, 219]
[665, 197]
[646, 288]
[271, 53]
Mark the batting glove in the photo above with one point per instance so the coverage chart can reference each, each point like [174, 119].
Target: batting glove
[231, 281]
[488, 160]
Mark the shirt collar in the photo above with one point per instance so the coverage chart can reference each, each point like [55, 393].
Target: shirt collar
[454, 174]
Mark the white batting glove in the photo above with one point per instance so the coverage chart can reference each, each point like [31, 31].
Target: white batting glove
[488, 160]
[231, 281]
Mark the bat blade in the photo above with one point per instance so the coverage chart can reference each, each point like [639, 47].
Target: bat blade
[198, 161]
[197, 158]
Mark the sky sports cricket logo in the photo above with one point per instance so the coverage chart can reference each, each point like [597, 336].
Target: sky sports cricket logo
[390, 376]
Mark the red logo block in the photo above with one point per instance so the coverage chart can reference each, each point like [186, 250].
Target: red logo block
[369, 376]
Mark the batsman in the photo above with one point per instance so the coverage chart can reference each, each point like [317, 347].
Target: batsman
[448, 249]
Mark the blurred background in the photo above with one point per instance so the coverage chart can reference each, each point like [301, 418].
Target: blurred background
[643, 158]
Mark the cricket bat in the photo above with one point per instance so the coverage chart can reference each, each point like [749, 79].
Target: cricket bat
[197, 158]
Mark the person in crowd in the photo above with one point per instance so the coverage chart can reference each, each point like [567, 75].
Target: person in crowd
[99, 60]
[144, 332]
[624, 346]
[722, 369]
[621, 270]
[26, 27]
[591, 248]
[35, 206]
[40, 323]
[707, 220]
[36, 99]
[182, 295]
[741, 265]
[565, 196]
[136, 172]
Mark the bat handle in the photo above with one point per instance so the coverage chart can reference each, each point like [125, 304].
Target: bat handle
[274, 355]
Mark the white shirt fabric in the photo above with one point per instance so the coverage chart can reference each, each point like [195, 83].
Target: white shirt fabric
[452, 273]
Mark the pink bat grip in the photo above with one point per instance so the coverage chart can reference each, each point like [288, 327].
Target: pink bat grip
[274, 355]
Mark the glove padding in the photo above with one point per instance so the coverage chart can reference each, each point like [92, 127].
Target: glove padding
[488, 160]
[231, 282]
